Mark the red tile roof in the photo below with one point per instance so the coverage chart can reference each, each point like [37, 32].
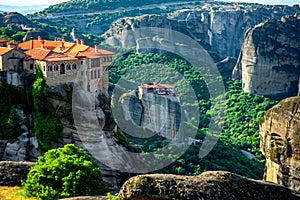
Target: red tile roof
[3, 41]
[68, 50]
[38, 54]
[4, 50]
[157, 86]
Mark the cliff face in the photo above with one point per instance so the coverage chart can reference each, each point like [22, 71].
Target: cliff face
[270, 61]
[219, 30]
[280, 142]
[159, 114]
[208, 185]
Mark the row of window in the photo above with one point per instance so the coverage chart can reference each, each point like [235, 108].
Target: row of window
[107, 59]
[94, 74]
[61, 68]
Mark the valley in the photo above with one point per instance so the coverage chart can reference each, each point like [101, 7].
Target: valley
[157, 106]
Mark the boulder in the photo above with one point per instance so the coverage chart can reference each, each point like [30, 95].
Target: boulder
[208, 185]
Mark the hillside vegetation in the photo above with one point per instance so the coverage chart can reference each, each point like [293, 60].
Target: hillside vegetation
[99, 5]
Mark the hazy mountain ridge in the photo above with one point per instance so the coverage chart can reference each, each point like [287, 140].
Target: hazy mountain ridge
[22, 9]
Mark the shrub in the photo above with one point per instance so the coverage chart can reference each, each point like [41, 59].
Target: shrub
[48, 129]
[63, 172]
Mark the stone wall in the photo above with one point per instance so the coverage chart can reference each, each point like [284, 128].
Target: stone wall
[11, 173]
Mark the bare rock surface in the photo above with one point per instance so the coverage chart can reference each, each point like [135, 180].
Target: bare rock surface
[208, 185]
[280, 142]
[220, 30]
[270, 61]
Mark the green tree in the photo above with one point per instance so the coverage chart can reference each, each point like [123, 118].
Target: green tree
[48, 129]
[63, 172]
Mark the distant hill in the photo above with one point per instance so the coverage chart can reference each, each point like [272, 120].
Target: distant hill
[23, 9]
[14, 19]
[98, 5]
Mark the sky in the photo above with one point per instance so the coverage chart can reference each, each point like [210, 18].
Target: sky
[43, 2]
[29, 2]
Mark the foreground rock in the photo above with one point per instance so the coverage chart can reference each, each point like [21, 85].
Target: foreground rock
[270, 62]
[280, 143]
[208, 185]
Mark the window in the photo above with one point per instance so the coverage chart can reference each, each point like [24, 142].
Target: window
[95, 74]
[81, 62]
[68, 67]
[44, 68]
[98, 73]
[62, 69]
[74, 66]
[92, 75]
[31, 66]
[50, 68]
[56, 67]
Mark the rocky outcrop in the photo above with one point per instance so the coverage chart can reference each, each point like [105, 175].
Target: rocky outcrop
[208, 185]
[11, 173]
[219, 29]
[270, 62]
[280, 141]
[158, 114]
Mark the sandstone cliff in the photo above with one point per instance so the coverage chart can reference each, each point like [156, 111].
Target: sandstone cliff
[280, 141]
[88, 123]
[208, 185]
[218, 29]
[160, 114]
[270, 61]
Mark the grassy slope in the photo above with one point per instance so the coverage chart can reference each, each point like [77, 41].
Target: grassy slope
[12, 193]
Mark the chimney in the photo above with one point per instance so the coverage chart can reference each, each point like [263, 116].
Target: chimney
[77, 41]
[42, 44]
[39, 37]
[63, 39]
[31, 43]
[82, 41]
[96, 48]
[13, 45]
